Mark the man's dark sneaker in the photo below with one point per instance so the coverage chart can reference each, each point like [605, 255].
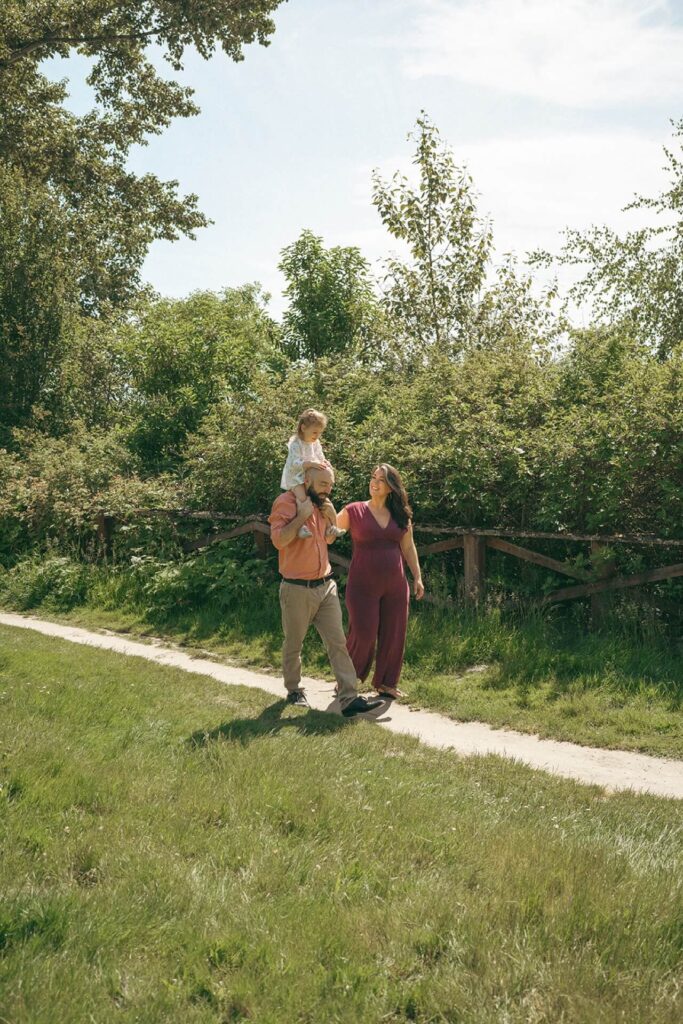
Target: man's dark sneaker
[298, 698]
[361, 705]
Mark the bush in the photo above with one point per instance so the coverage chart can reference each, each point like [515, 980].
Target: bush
[215, 577]
[54, 581]
[52, 488]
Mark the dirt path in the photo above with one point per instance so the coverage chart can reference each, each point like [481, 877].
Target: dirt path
[613, 769]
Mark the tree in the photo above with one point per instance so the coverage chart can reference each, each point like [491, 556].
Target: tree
[185, 355]
[447, 296]
[635, 280]
[331, 302]
[36, 290]
[114, 215]
[433, 295]
[75, 223]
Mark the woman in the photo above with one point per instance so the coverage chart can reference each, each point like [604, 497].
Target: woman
[377, 592]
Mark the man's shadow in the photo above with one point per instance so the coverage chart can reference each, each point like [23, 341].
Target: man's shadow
[268, 723]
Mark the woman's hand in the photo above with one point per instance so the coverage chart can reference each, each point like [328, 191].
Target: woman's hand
[418, 586]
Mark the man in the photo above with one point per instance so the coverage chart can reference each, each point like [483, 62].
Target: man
[308, 594]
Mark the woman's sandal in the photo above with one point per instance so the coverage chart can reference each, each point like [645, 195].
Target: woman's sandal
[390, 694]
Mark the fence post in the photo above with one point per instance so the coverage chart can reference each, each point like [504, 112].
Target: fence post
[262, 542]
[603, 569]
[474, 548]
[105, 530]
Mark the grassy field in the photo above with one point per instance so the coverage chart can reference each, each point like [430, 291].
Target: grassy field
[537, 672]
[173, 850]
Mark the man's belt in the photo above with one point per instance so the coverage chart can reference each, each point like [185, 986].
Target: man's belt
[308, 583]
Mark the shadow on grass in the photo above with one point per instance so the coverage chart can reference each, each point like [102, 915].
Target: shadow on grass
[268, 723]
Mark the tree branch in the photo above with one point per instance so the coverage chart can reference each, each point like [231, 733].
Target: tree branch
[52, 39]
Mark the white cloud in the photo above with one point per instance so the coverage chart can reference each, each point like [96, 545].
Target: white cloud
[577, 53]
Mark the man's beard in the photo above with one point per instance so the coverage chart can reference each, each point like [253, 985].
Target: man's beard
[317, 499]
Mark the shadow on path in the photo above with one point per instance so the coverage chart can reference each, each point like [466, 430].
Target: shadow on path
[269, 722]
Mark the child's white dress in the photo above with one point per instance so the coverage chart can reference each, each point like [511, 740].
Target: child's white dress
[299, 452]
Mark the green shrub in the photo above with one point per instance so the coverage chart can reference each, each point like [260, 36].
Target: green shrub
[54, 581]
[215, 577]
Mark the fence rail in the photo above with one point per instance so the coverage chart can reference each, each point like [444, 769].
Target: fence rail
[597, 580]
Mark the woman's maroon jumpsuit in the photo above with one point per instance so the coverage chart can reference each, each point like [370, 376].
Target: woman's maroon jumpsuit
[377, 597]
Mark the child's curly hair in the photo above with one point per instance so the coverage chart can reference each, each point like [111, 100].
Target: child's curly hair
[311, 418]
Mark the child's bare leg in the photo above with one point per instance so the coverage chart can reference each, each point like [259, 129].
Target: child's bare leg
[299, 492]
[331, 516]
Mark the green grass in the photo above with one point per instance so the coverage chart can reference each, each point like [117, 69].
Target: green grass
[536, 672]
[174, 850]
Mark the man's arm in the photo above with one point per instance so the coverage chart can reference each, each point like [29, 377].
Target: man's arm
[282, 532]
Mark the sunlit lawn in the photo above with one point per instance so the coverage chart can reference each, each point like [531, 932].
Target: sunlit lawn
[174, 850]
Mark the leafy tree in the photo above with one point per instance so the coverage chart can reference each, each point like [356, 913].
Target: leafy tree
[433, 295]
[635, 279]
[332, 306]
[185, 355]
[36, 295]
[611, 450]
[114, 214]
[67, 198]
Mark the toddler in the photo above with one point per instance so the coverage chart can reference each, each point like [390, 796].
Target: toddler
[303, 452]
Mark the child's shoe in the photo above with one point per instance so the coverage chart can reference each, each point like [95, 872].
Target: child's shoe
[334, 531]
[304, 532]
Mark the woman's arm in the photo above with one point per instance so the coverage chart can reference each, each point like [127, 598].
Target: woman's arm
[410, 554]
[343, 521]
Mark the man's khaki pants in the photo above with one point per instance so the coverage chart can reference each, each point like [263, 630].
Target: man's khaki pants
[303, 607]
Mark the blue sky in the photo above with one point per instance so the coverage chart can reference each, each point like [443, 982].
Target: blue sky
[559, 108]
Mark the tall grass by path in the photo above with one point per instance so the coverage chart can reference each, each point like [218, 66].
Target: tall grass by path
[175, 850]
[539, 672]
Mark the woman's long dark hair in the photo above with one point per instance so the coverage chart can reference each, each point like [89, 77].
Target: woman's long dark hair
[397, 500]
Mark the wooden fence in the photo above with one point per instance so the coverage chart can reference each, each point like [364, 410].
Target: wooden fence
[595, 581]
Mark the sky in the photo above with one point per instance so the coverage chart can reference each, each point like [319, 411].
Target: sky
[558, 108]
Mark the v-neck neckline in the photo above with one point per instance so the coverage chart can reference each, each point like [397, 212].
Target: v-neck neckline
[367, 505]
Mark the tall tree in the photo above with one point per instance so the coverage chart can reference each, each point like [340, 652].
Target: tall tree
[114, 214]
[75, 223]
[635, 279]
[332, 305]
[186, 355]
[433, 293]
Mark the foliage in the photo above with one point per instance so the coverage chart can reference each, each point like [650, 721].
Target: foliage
[184, 356]
[635, 279]
[91, 382]
[214, 578]
[51, 581]
[75, 222]
[611, 453]
[590, 442]
[53, 488]
[37, 296]
[332, 305]
[234, 461]
[450, 247]
[445, 296]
